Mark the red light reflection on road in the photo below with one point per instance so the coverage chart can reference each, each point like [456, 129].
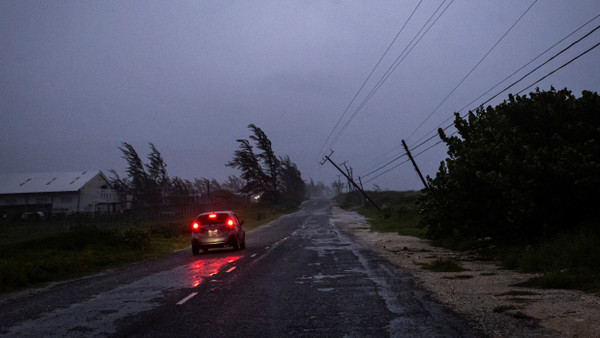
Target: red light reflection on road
[203, 268]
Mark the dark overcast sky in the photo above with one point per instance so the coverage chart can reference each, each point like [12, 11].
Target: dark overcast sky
[77, 78]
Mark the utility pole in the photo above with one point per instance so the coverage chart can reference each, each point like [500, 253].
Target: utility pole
[414, 164]
[349, 179]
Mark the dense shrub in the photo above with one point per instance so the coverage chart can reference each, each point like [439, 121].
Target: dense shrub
[134, 237]
[526, 169]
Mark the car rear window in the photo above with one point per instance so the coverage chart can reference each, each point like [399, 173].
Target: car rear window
[217, 219]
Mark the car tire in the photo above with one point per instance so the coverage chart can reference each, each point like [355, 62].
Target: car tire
[195, 248]
[236, 244]
[243, 245]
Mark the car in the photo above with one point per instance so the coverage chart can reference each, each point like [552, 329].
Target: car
[217, 229]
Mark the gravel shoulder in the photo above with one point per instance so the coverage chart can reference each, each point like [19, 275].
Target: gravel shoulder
[483, 288]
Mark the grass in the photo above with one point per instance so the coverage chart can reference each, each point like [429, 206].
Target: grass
[444, 265]
[399, 211]
[569, 260]
[32, 254]
[565, 261]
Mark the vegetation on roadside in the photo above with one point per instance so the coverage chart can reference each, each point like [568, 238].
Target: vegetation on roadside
[522, 184]
[444, 265]
[34, 253]
[519, 173]
[399, 214]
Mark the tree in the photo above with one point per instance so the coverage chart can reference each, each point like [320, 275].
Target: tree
[262, 172]
[270, 163]
[233, 184]
[146, 183]
[138, 178]
[247, 162]
[527, 168]
[293, 187]
[158, 181]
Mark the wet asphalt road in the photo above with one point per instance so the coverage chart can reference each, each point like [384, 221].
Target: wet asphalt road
[299, 276]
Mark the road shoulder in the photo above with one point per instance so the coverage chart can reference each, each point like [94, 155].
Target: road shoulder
[483, 288]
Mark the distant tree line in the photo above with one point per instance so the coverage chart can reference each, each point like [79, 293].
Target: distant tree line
[277, 179]
[526, 169]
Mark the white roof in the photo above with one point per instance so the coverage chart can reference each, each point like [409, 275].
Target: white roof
[45, 182]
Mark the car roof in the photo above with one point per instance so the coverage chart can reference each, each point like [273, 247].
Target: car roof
[217, 212]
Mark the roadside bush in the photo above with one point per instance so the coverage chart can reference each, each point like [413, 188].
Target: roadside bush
[524, 170]
[134, 237]
[444, 265]
[568, 260]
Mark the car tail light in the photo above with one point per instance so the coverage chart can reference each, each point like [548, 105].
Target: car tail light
[195, 226]
[212, 216]
[229, 223]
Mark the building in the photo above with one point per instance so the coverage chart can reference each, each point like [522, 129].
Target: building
[57, 193]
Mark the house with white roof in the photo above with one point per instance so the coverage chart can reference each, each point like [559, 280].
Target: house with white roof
[58, 193]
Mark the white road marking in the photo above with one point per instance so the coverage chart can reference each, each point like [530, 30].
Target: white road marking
[187, 298]
[230, 269]
[254, 255]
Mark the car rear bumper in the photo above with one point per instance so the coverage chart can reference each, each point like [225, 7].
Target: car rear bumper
[213, 241]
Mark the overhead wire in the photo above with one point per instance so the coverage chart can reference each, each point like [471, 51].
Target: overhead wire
[473, 69]
[518, 70]
[394, 65]
[369, 77]
[385, 165]
[397, 157]
[526, 88]
[559, 68]
[514, 83]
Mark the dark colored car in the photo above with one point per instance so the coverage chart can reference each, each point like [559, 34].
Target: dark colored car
[217, 229]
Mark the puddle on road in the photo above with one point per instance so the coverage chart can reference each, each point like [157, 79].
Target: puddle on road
[97, 315]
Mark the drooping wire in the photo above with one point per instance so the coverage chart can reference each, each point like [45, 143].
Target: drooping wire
[393, 67]
[368, 78]
[518, 70]
[383, 166]
[473, 69]
[448, 126]
[559, 68]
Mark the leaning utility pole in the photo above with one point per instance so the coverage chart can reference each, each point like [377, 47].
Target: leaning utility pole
[414, 164]
[349, 179]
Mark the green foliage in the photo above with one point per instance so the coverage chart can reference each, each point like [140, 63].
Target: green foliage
[567, 260]
[526, 169]
[444, 265]
[134, 237]
[30, 256]
[277, 178]
[400, 211]
[292, 186]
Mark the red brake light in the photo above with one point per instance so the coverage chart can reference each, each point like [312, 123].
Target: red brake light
[230, 223]
[195, 226]
[212, 216]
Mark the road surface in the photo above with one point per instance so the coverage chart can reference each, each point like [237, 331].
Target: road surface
[299, 276]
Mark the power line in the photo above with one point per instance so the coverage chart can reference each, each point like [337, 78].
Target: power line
[531, 85]
[385, 165]
[369, 77]
[385, 172]
[518, 70]
[473, 69]
[394, 65]
[557, 69]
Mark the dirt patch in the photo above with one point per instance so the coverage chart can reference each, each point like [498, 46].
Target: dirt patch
[485, 293]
